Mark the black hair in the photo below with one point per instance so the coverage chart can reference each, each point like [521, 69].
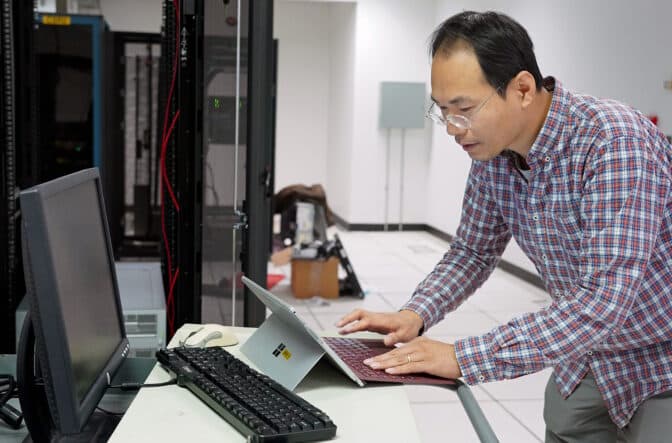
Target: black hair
[502, 46]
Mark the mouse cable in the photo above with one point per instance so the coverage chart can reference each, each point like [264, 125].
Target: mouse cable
[136, 386]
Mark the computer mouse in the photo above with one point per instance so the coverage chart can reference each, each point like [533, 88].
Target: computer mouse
[211, 335]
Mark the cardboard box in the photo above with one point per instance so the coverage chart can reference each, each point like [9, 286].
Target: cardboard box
[315, 277]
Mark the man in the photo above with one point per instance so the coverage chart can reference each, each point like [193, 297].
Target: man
[584, 185]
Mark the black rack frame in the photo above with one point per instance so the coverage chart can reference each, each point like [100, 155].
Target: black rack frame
[189, 163]
[18, 132]
[260, 148]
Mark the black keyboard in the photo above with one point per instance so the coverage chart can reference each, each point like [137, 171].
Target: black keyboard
[253, 403]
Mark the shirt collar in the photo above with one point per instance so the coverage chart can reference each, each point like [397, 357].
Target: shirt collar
[547, 140]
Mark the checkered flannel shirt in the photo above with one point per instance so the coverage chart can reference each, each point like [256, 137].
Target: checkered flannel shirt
[595, 218]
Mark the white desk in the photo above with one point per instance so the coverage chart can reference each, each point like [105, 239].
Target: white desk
[174, 414]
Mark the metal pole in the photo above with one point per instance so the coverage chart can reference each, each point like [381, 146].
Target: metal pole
[475, 414]
[148, 139]
[387, 179]
[401, 181]
[236, 143]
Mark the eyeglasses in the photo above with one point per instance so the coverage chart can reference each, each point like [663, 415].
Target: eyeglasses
[461, 122]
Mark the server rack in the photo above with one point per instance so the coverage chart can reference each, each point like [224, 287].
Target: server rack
[137, 138]
[211, 38]
[73, 69]
[189, 161]
[181, 159]
[8, 171]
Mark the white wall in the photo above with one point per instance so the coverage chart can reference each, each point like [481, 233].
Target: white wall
[303, 92]
[370, 41]
[343, 34]
[390, 46]
[609, 48]
[616, 48]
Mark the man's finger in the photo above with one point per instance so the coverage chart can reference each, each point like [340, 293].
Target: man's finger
[391, 339]
[349, 318]
[408, 361]
[408, 368]
[387, 360]
[360, 325]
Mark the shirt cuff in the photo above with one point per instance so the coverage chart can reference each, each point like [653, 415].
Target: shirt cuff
[419, 309]
[475, 358]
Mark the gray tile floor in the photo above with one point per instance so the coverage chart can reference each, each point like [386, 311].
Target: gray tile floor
[390, 265]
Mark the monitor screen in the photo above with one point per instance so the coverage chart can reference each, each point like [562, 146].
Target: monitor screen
[84, 281]
[75, 310]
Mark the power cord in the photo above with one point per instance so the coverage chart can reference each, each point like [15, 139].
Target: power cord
[136, 386]
[14, 418]
[133, 387]
[8, 413]
[110, 413]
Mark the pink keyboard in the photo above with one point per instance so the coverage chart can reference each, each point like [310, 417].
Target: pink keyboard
[353, 351]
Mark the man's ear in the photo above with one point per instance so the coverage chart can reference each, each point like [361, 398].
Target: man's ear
[525, 88]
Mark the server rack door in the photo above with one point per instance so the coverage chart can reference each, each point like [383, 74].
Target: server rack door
[225, 158]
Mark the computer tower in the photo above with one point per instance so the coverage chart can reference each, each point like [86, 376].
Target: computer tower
[143, 305]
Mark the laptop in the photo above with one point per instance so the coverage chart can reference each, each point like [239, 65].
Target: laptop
[286, 349]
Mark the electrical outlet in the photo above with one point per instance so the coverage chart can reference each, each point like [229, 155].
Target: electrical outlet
[667, 84]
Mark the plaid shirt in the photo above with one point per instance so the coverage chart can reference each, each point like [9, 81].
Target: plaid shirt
[595, 218]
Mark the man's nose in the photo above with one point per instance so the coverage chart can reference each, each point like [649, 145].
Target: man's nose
[454, 130]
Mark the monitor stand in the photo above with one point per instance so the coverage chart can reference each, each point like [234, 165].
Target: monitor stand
[35, 407]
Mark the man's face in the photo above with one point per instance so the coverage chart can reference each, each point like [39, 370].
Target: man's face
[459, 88]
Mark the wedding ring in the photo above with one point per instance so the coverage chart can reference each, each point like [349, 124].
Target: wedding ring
[408, 357]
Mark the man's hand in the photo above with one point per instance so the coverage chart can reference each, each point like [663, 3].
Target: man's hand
[419, 355]
[399, 327]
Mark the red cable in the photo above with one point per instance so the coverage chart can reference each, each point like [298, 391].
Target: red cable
[169, 188]
[164, 176]
[165, 136]
[171, 304]
[164, 142]
[172, 278]
[166, 244]
[172, 82]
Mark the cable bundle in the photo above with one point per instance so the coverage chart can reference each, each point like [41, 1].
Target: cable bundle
[8, 413]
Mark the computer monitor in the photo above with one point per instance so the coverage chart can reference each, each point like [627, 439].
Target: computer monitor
[75, 311]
